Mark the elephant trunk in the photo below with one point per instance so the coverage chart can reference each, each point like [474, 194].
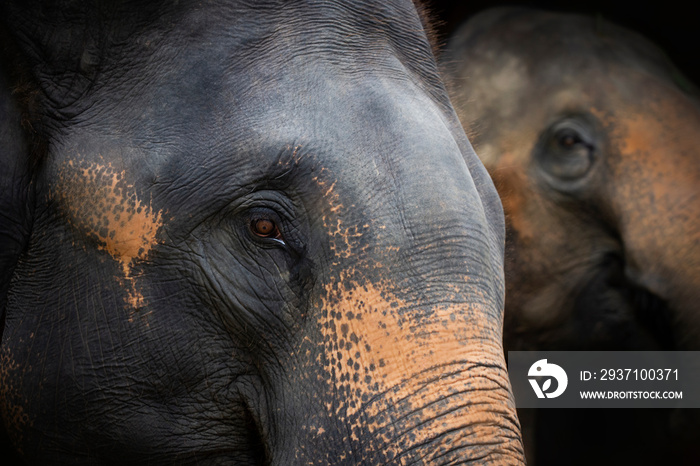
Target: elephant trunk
[403, 383]
[401, 360]
[411, 368]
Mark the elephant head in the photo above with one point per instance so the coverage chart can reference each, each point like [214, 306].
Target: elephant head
[258, 235]
[589, 134]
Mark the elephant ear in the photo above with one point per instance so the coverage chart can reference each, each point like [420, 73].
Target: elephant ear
[47, 61]
[57, 44]
[15, 211]
[15, 189]
[63, 45]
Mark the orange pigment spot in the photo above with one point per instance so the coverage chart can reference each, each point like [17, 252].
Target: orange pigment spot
[11, 409]
[382, 356]
[104, 207]
[342, 237]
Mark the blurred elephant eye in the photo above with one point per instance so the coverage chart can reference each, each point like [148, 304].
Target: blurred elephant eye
[567, 151]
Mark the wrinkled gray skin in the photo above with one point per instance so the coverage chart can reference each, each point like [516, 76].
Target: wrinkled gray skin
[591, 137]
[15, 203]
[245, 233]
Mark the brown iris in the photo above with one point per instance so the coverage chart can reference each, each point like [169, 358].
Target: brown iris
[265, 228]
[569, 140]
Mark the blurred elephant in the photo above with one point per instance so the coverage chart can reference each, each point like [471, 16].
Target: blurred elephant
[592, 138]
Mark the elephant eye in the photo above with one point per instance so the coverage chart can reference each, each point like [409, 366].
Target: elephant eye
[571, 156]
[567, 151]
[266, 228]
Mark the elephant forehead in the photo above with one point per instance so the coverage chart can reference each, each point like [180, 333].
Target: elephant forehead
[657, 149]
[103, 206]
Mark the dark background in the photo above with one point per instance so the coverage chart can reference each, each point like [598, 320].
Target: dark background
[673, 25]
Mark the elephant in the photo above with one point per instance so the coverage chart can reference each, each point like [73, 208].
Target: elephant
[588, 132]
[244, 233]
